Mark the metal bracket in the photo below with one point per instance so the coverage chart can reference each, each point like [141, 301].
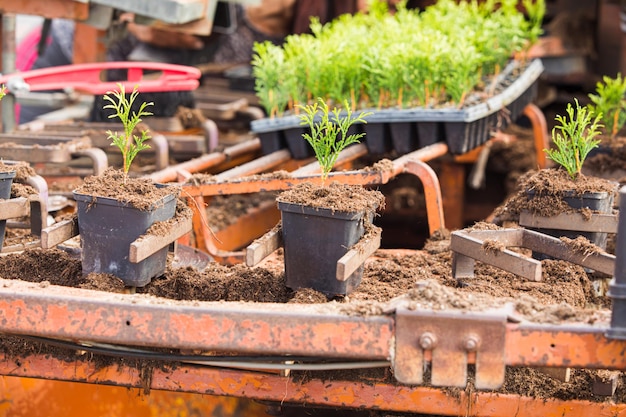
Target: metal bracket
[450, 339]
[467, 246]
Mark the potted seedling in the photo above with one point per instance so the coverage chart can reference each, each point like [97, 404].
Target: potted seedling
[115, 209]
[320, 223]
[565, 189]
[7, 173]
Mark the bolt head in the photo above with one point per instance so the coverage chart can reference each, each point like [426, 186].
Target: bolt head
[427, 341]
[471, 344]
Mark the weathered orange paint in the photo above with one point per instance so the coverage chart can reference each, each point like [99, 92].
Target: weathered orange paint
[564, 346]
[63, 9]
[355, 394]
[30, 397]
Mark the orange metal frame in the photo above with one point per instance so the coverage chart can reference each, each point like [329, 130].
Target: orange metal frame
[312, 392]
[441, 202]
[29, 309]
[251, 328]
[235, 181]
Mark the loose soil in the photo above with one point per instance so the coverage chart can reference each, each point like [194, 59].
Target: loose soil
[541, 192]
[335, 196]
[141, 193]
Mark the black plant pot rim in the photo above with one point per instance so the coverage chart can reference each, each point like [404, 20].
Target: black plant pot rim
[319, 211]
[86, 198]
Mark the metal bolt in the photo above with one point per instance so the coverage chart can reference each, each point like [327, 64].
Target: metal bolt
[427, 340]
[472, 343]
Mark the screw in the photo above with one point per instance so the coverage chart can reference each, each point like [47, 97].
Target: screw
[472, 343]
[427, 341]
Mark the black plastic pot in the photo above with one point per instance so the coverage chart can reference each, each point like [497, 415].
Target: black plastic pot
[107, 227]
[314, 240]
[601, 202]
[6, 179]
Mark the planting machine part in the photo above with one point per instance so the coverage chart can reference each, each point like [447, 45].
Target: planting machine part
[617, 287]
[403, 339]
[51, 149]
[139, 249]
[597, 222]
[87, 78]
[34, 207]
[240, 180]
[469, 245]
[450, 338]
[347, 264]
[162, 144]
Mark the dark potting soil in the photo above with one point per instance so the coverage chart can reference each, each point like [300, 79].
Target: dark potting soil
[335, 196]
[549, 186]
[141, 193]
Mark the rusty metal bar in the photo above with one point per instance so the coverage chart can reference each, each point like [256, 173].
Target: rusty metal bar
[311, 391]
[205, 162]
[427, 153]
[349, 154]
[256, 166]
[254, 185]
[540, 133]
[432, 193]
[69, 313]
[315, 330]
[63, 9]
[575, 346]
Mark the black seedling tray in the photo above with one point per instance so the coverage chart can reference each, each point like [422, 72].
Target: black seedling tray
[406, 130]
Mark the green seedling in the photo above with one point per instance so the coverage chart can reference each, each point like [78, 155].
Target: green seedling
[329, 131]
[574, 138]
[127, 142]
[609, 101]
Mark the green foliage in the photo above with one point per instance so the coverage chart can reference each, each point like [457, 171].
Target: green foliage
[574, 138]
[536, 11]
[329, 131]
[127, 142]
[609, 101]
[268, 64]
[409, 58]
[3, 91]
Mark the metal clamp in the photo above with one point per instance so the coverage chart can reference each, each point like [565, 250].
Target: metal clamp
[451, 339]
